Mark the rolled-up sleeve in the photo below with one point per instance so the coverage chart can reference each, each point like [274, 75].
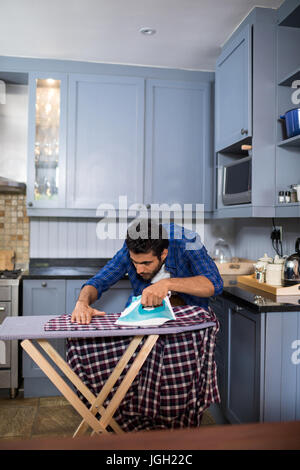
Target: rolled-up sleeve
[201, 264]
[112, 272]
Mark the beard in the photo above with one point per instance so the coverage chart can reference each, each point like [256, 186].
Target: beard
[149, 276]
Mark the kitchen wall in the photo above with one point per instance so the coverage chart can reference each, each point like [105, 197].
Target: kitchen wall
[77, 238]
[13, 133]
[14, 227]
[252, 236]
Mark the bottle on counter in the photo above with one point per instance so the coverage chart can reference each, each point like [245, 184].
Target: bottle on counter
[287, 196]
[281, 198]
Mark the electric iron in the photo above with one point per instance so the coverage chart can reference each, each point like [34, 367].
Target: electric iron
[137, 315]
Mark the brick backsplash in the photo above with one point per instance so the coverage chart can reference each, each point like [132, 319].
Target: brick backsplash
[14, 227]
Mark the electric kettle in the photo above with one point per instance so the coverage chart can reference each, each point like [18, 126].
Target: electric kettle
[291, 270]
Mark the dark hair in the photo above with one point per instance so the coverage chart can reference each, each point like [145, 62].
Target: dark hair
[146, 235]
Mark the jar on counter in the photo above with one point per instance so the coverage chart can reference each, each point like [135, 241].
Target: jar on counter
[260, 272]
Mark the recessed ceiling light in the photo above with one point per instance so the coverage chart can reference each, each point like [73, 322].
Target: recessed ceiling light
[148, 31]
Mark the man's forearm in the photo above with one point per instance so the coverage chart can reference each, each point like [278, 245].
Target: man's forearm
[88, 295]
[199, 286]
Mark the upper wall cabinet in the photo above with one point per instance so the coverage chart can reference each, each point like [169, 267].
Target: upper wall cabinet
[245, 109]
[234, 91]
[178, 146]
[95, 137]
[47, 140]
[105, 140]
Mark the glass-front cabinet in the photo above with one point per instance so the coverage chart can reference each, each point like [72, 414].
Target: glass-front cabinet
[47, 140]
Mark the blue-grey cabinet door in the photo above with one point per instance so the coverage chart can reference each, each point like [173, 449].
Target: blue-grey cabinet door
[42, 297]
[220, 308]
[111, 301]
[282, 364]
[47, 134]
[233, 92]
[105, 140]
[244, 349]
[178, 152]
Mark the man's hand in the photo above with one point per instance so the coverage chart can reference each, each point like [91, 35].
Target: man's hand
[154, 294]
[83, 313]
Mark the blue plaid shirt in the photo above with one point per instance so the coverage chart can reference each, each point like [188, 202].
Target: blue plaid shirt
[187, 257]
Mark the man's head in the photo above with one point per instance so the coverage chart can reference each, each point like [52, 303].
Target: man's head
[147, 242]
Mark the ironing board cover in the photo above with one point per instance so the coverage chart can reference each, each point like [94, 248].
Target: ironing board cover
[177, 382]
[187, 316]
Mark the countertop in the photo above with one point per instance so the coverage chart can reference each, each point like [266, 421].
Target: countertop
[253, 299]
[64, 268]
[257, 300]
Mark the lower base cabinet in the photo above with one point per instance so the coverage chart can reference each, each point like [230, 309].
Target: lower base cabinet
[258, 363]
[57, 297]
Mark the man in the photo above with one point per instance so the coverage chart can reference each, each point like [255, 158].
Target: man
[158, 259]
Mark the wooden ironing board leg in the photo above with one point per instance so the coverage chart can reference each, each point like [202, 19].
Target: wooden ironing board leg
[58, 381]
[80, 386]
[107, 387]
[128, 379]
[88, 415]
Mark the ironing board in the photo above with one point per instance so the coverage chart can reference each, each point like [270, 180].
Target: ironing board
[32, 328]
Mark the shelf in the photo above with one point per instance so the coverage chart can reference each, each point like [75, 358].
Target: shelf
[236, 148]
[290, 78]
[288, 210]
[292, 142]
[288, 15]
[244, 210]
[46, 165]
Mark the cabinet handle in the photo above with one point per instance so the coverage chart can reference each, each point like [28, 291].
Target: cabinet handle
[2, 309]
[30, 204]
[244, 131]
[237, 309]
[148, 206]
[44, 284]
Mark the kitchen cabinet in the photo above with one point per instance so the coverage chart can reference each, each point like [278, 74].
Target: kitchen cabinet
[145, 134]
[221, 352]
[234, 91]
[105, 140]
[243, 379]
[287, 81]
[111, 301]
[42, 297]
[57, 297]
[245, 110]
[178, 163]
[46, 162]
[257, 356]
[237, 357]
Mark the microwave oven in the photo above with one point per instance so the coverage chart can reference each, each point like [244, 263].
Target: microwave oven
[236, 188]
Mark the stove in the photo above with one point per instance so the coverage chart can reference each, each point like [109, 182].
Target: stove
[15, 274]
[10, 305]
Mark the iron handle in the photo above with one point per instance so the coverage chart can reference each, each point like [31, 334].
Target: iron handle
[244, 131]
[44, 284]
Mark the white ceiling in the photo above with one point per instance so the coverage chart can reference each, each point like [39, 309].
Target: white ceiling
[189, 32]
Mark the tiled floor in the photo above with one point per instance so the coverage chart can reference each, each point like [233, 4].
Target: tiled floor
[29, 418]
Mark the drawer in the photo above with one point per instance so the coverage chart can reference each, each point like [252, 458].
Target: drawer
[5, 293]
[5, 310]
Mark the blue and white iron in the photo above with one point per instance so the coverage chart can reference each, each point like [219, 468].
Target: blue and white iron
[137, 315]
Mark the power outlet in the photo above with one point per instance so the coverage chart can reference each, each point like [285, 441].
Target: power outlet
[276, 234]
